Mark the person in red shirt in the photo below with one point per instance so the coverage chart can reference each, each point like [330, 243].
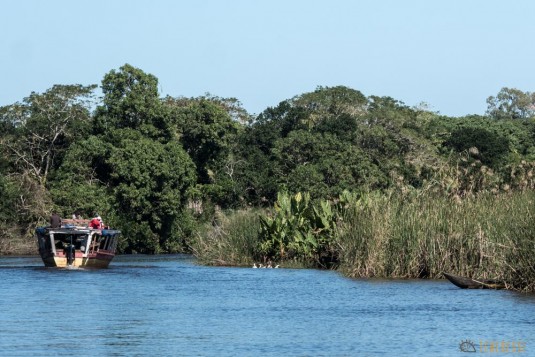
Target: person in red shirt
[96, 223]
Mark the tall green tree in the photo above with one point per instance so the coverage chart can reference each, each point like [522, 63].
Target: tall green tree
[43, 126]
[146, 171]
[331, 102]
[82, 182]
[131, 100]
[324, 165]
[35, 135]
[511, 103]
[207, 132]
[208, 128]
[150, 181]
[257, 177]
[489, 147]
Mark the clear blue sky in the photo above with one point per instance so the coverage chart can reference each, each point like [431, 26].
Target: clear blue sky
[451, 54]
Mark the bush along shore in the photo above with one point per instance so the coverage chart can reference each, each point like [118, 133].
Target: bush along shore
[415, 234]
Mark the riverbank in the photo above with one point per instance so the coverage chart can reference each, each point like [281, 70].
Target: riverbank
[18, 246]
[415, 235]
[403, 236]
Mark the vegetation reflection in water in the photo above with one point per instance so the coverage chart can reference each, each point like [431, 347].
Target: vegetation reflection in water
[170, 306]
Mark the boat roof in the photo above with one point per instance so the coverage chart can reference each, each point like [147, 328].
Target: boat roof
[75, 231]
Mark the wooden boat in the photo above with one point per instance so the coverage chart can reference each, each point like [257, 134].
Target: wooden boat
[468, 283]
[74, 244]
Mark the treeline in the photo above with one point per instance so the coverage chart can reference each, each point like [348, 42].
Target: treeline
[158, 168]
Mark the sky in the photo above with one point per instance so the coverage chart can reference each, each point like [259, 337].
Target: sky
[449, 54]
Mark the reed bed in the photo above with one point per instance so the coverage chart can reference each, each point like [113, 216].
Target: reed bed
[421, 235]
[230, 239]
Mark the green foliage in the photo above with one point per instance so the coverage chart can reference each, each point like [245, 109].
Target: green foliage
[511, 103]
[490, 147]
[131, 100]
[37, 134]
[80, 184]
[231, 238]
[322, 165]
[143, 161]
[43, 126]
[480, 149]
[334, 139]
[9, 193]
[207, 132]
[209, 128]
[298, 230]
[330, 102]
[255, 178]
[422, 235]
[150, 181]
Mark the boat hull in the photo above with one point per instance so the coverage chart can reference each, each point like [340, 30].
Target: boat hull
[469, 283]
[100, 261]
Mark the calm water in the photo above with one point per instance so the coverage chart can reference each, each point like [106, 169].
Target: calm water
[169, 306]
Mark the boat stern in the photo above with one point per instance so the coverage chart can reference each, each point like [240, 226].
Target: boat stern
[76, 247]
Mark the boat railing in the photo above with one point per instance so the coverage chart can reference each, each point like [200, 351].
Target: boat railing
[75, 222]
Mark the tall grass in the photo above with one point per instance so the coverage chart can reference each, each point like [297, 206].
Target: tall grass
[230, 239]
[413, 235]
[422, 235]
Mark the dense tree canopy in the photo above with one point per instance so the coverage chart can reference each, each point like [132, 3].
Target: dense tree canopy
[149, 181]
[131, 100]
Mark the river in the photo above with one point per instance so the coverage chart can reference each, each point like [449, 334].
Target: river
[170, 306]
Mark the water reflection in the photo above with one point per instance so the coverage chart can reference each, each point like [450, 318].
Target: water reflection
[169, 306]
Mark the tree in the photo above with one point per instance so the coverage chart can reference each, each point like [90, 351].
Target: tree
[511, 103]
[208, 128]
[43, 126]
[322, 165]
[150, 181]
[10, 194]
[490, 148]
[331, 102]
[274, 123]
[131, 100]
[82, 181]
[207, 133]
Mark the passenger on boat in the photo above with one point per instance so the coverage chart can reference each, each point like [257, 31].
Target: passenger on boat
[55, 220]
[96, 222]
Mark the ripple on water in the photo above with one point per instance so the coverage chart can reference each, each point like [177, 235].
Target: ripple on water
[169, 306]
